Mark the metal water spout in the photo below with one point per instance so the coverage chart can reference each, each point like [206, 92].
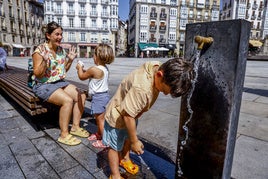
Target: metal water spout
[202, 40]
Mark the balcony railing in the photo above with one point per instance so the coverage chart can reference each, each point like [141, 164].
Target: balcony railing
[59, 11]
[163, 16]
[82, 1]
[4, 28]
[248, 6]
[153, 28]
[104, 1]
[162, 28]
[104, 14]
[153, 15]
[93, 1]
[82, 13]
[162, 41]
[71, 12]
[93, 14]
[152, 40]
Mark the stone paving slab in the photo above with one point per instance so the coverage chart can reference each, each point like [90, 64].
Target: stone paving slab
[257, 109]
[8, 164]
[30, 160]
[253, 126]
[59, 159]
[250, 159]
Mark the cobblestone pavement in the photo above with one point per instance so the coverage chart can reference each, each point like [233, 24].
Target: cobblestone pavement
[29, 148]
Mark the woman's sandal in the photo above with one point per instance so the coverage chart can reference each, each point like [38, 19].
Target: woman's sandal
[69, 140]
[95, 136]
[80, 132]
[129, 166]
[99, 144]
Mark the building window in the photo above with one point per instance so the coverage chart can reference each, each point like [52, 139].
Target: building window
[71, 37]
[82, 23]
[48, 6]
[93, 39]
[104, 24]
[59, 21]
[82, 37]
[172, 37]
[70, 8]
[181, 36]
[71, 22]
[144, 9]
[93, 10]
[58, 8]
[82, 7]
[93, 23]
[173, 2]
[143, 37]
[173, 12]
[114, 23]
[114, 11]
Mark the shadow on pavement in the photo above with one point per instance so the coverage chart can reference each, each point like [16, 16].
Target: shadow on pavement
[260, 92]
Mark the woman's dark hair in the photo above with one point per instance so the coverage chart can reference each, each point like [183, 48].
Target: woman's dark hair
[178, 75]
[50, 27]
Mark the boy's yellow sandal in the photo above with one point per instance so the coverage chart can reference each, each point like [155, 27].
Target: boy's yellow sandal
[129, 166]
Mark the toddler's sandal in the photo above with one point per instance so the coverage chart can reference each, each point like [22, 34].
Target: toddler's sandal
[129, 166]
[95, 136]
[99, 144]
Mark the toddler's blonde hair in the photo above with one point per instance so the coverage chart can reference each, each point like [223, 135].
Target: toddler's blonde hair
[104, 53]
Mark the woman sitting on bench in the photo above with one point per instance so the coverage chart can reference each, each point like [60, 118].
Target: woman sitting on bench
[50, 64]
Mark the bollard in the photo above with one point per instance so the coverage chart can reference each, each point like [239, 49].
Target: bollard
[206, 150]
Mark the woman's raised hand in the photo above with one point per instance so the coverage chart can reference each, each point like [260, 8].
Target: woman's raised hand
[72, 53]
[45, 54]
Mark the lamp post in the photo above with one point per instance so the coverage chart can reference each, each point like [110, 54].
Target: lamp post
[136, 50]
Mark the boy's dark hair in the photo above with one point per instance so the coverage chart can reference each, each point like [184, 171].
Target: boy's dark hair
[178, 74]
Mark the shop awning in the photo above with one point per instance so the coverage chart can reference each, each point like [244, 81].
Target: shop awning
[171, 46]
[143, 46]
[7, 44]
[255, 43]
[155, 49]
[18, 46]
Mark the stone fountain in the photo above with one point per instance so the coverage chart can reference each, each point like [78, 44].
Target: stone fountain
[209, 116]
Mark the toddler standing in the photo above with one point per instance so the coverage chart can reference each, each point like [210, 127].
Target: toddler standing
[98, 87]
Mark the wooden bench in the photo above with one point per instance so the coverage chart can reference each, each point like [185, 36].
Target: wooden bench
[14, 84]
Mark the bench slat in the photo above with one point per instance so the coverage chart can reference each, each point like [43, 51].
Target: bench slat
[14, 84]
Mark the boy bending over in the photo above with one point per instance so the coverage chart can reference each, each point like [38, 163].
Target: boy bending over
[135, 95]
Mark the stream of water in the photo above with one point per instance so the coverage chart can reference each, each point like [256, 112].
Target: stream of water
[189, 108]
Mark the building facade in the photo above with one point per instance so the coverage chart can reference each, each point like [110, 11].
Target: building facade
[193, 11]
[152, 23]
[85, 23]
[121, 44]
[255, 11]
[20, 24]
